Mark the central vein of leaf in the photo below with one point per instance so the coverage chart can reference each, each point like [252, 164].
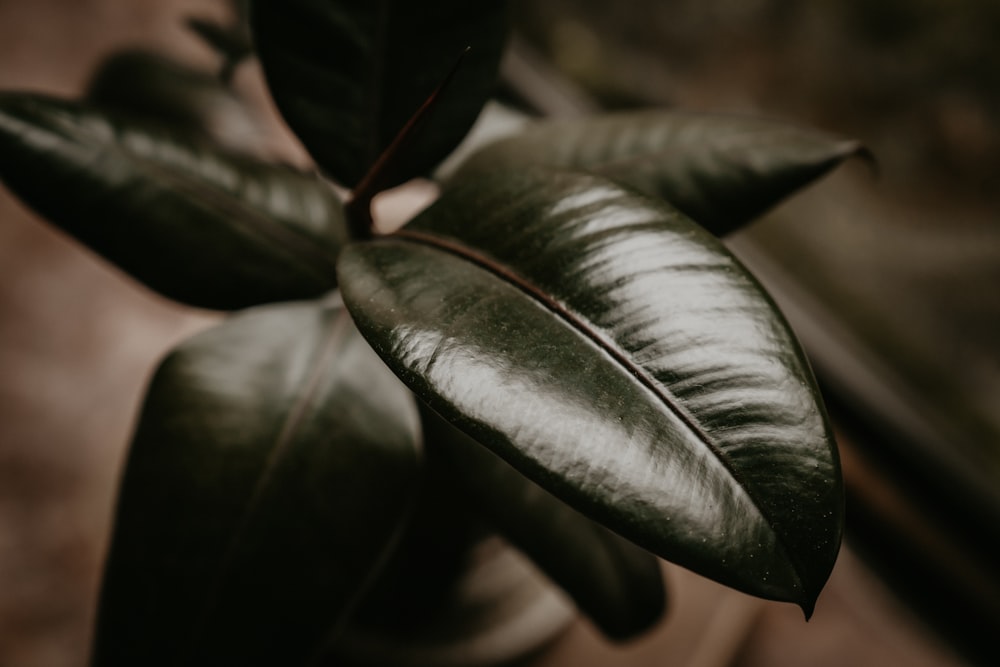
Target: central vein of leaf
[578, 323]
[281, 446]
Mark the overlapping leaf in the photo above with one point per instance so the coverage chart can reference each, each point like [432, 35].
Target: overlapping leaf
[614, 582]
[721, 170]
[348, 74]
[274, 463]
[201, 226]
[618, 355]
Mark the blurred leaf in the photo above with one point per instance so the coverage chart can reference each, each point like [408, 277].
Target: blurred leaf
[618, 355]
[274, 463]
[347, 75]
[614, 582]
[199, 225]
[720, 170]
[231, 42]
[151, 88]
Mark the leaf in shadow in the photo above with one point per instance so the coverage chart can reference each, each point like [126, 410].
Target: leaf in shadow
[272, 470]
[347, 76]
[720, 170]
[199, 225]
[618, 355]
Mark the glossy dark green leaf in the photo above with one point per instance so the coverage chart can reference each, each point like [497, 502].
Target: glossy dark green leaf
[272, 469]
[721, 170]
[348, 74]
[617, 354]
[614, 582]
[201, 226]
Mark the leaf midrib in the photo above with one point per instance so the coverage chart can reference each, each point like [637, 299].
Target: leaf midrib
[575, 321]
[299, 245]
[301, 248]
[279, 448]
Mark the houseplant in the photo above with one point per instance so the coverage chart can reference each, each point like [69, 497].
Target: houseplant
[591, 335]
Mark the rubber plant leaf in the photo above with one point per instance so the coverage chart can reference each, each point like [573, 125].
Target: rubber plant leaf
[272, 470]
[617, 354]
[347, 75]
[199, 225]
[618, 585]
[721, 170]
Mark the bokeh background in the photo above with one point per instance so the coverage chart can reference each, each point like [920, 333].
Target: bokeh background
[891, 277]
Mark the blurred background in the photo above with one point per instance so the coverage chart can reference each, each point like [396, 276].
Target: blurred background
[890, 276]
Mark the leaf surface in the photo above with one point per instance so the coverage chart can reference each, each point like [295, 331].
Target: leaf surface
[347, 75]
[199, 225]
[615, 583]
[617, 354]
[274, 464]
[721, 170]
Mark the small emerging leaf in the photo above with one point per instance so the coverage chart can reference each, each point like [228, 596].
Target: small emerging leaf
[614, 582]
[720, 170]
[617, 354]
[348, 74]
[202, 226]
[274, 464]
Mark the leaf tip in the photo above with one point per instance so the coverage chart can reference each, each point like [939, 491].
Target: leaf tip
[808, 607]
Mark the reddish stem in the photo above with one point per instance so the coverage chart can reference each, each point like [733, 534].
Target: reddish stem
[359, 207]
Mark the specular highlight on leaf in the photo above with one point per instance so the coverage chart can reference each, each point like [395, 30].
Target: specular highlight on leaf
[720, 170]
[199, 225]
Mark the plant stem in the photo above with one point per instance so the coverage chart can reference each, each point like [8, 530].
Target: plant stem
[379, 176]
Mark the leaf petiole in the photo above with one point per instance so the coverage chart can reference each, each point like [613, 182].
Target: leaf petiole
[359, 206]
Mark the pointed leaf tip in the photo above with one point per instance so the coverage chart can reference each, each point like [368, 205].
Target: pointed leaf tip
[722, 170]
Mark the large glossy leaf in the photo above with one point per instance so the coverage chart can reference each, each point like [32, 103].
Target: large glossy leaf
[272, 469]
[617, 584]
[201, 226]
[617, 354]
[721, 170]
[348, 74]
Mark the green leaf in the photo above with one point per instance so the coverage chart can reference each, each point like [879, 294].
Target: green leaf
[720, 170]
[617, 584]
[347, 75]
[617, 354]
[272, 469]
[205, 227]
